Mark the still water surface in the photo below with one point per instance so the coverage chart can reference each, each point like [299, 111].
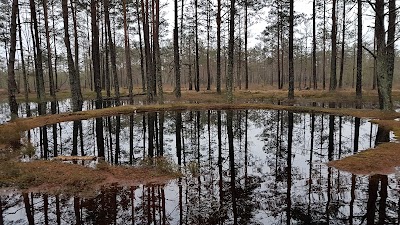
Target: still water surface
[242, 167]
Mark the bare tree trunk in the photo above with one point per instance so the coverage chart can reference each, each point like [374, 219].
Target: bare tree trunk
[229, 82]
[38, 62]
[343, 41]
[112, 50]
[314, 53]
[219, 48]
[74, 85]
[197, 84]
[382, 60]
[291, 67]
[127, 52]
[148, 59]
[391, 43]
[12, 85]
[97, 79]
[359, 50]
[333, 78]
[25, 76]
[48, 45]
[208, 46]
[140, 48]
[76, 43]
[246, 56]
[176, 53]
[324, 51]
[157, 53]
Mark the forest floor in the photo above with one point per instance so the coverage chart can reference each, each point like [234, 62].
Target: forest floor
[54, 176]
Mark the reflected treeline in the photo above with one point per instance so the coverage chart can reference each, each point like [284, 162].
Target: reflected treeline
[241, 167]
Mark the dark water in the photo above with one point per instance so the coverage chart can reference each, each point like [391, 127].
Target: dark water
[241, 167]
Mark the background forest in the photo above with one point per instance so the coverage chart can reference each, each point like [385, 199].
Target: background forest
[132, 45]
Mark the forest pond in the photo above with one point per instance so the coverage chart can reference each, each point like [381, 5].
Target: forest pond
[240, 167]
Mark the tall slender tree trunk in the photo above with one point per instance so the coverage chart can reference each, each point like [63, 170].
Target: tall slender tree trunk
[246, 56]
[55, 48]
[176, 53]
[229, 82]
[157, 53]
[112, 50]
[219, 47]
[385, 101]
[48, 45]
[38, 62]
[343, 42]
[127, 52]
[333, 78]
[148, 59]
[391, 43]
[25, 76]
[314, 53]
[107, 63]
[324, 50]
[291, 67]
[197, 84]
[279, 54]
[208, 46]
[12, 85]
[359, 50]
[76, 43]
[140, 48]
[74, 85]
[97, 78]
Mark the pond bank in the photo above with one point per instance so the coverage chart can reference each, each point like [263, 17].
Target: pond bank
[73, 177]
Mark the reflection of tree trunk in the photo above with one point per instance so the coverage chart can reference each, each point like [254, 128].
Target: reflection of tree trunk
[356, 134]
[178, 130]
[75, 138]
[131, 156]
[382, 135]
[54, 129]
[46, 208]
[340, 137]
[383, 193]
[353, 197]
[110, 141]
[220, 183]
[161, 134]
[28, 209]
[373, 183]
[45, 142]
[311, 162]
[100, 137]
[246, 158]
[58, 211]
[117, 139]
[229, 128]
[331, 137]
[151, 120]
[289, 169]
[1, 212]
[77, 212]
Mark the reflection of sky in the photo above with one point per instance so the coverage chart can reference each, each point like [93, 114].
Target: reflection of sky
[270, 193]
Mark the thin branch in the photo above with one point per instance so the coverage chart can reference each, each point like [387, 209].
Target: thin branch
[369, 51]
